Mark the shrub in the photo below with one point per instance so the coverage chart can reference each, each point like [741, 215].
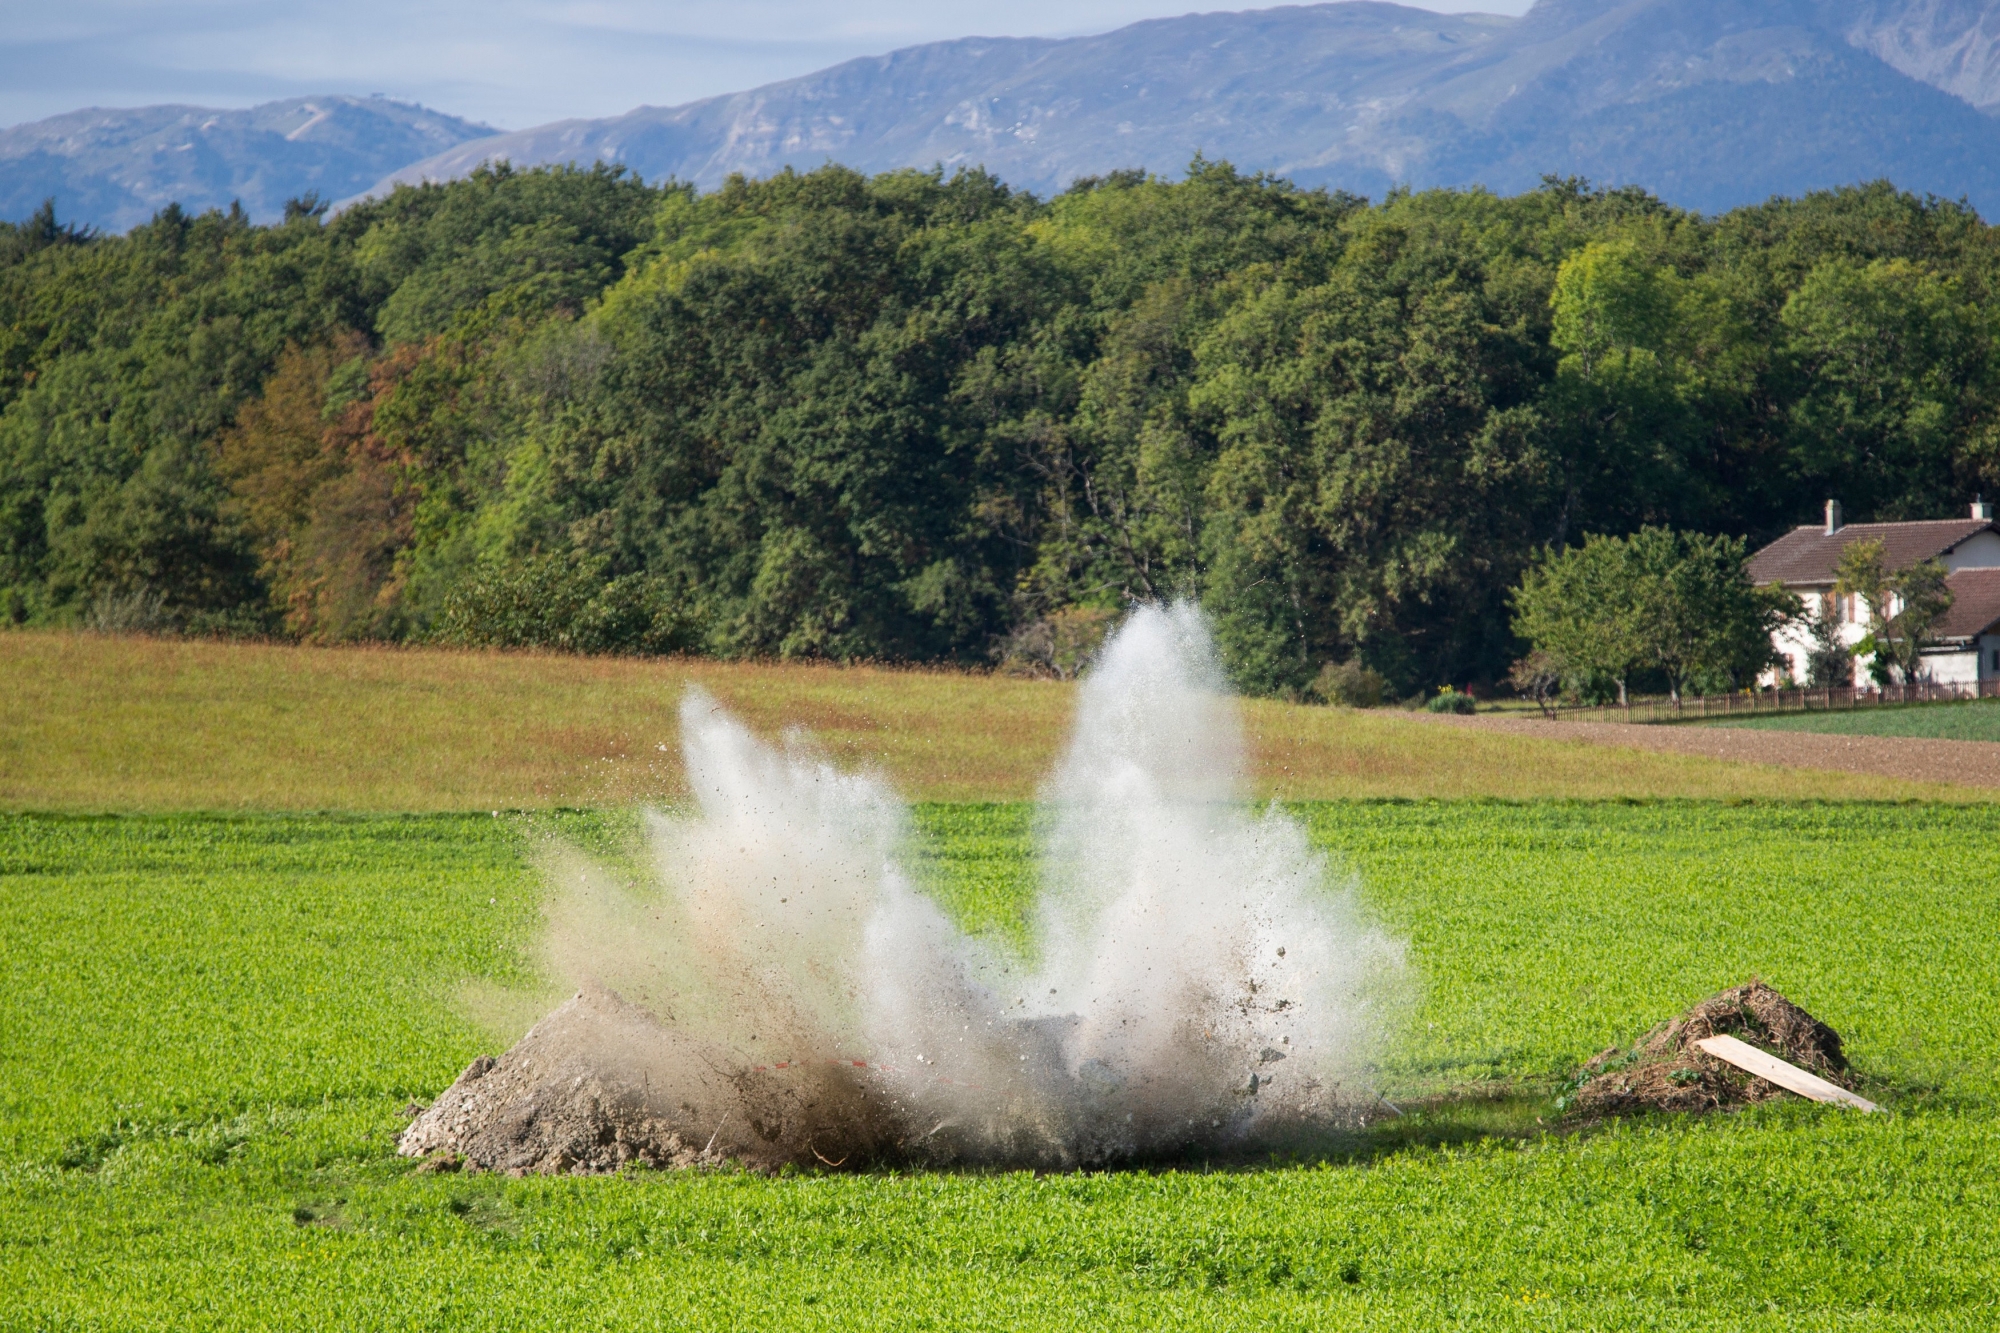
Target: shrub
[1829, 661]
[1537, 677]
[1448, 700]
[557, 601]
[1349, 684]
[1059, 644]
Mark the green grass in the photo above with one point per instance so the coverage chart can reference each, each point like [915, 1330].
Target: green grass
[210, 1025]
[1967, 720]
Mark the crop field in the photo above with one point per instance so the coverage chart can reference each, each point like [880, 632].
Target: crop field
[210, 1026]
[1966, 720]
[89, 723]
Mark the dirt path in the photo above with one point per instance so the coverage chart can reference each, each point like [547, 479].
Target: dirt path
[1965, 763]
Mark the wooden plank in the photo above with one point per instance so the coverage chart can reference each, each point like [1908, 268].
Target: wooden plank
[1787, 1076]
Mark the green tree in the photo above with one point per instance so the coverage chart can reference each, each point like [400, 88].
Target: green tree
[1580, 609]
[1904, 605]
[531, 241]
[1537, 676]
[1610, 306]
[1900, 377]
[1678, 603]
[132, 353]
[919, 416]
[1378, 453]
[1697, 613]
[1625, 420]
[1829, 662]
[808, 430]
[552, 601]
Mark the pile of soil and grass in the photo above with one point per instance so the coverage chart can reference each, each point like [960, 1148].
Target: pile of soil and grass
[1664, 1071]
[600, 1083]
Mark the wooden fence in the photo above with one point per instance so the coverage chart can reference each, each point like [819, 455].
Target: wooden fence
[1661, 708]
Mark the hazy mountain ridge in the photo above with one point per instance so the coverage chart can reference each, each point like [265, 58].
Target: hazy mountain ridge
[1950, 44]
[1711, 103]
[1266, 88]
[1714, 103]
[116, 168]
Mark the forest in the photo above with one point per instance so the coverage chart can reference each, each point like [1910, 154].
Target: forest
[924, 417]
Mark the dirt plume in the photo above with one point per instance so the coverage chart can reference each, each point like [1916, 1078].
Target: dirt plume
[765, 979]
[600, 1084]
[1663, 1070]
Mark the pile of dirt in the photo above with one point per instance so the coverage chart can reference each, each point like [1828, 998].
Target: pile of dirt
[1663, 1071]
[600, 1083]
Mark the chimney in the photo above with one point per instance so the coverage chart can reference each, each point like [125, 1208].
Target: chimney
[1982, 510]
[1832, 517]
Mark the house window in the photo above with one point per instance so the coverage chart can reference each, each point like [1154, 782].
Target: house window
[1996, 659]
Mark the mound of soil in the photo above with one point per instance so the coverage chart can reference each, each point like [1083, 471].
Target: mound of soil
[600, 1083]
[1663, 1071]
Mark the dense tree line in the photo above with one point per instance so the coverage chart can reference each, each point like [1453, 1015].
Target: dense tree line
[920, 417]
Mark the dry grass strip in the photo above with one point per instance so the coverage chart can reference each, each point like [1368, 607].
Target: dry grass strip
[99, 723]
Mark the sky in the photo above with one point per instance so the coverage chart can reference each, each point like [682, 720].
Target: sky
[507, 63]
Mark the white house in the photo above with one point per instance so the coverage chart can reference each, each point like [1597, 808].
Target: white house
[1968, 647]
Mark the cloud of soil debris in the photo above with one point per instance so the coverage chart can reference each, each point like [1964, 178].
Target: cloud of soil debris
[782, 990]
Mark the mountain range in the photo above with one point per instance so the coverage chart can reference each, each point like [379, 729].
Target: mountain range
[1709, 103]
[113, 169]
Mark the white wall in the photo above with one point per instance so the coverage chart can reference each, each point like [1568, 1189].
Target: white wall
[1979, 551]
[1963, 666]
[1795, 640]
[1953, 668]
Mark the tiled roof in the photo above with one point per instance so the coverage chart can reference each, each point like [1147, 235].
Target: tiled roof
[1808, 555]
[1975, 604]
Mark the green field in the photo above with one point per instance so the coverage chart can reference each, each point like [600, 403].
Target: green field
[1968, 720]
[210, 1026]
